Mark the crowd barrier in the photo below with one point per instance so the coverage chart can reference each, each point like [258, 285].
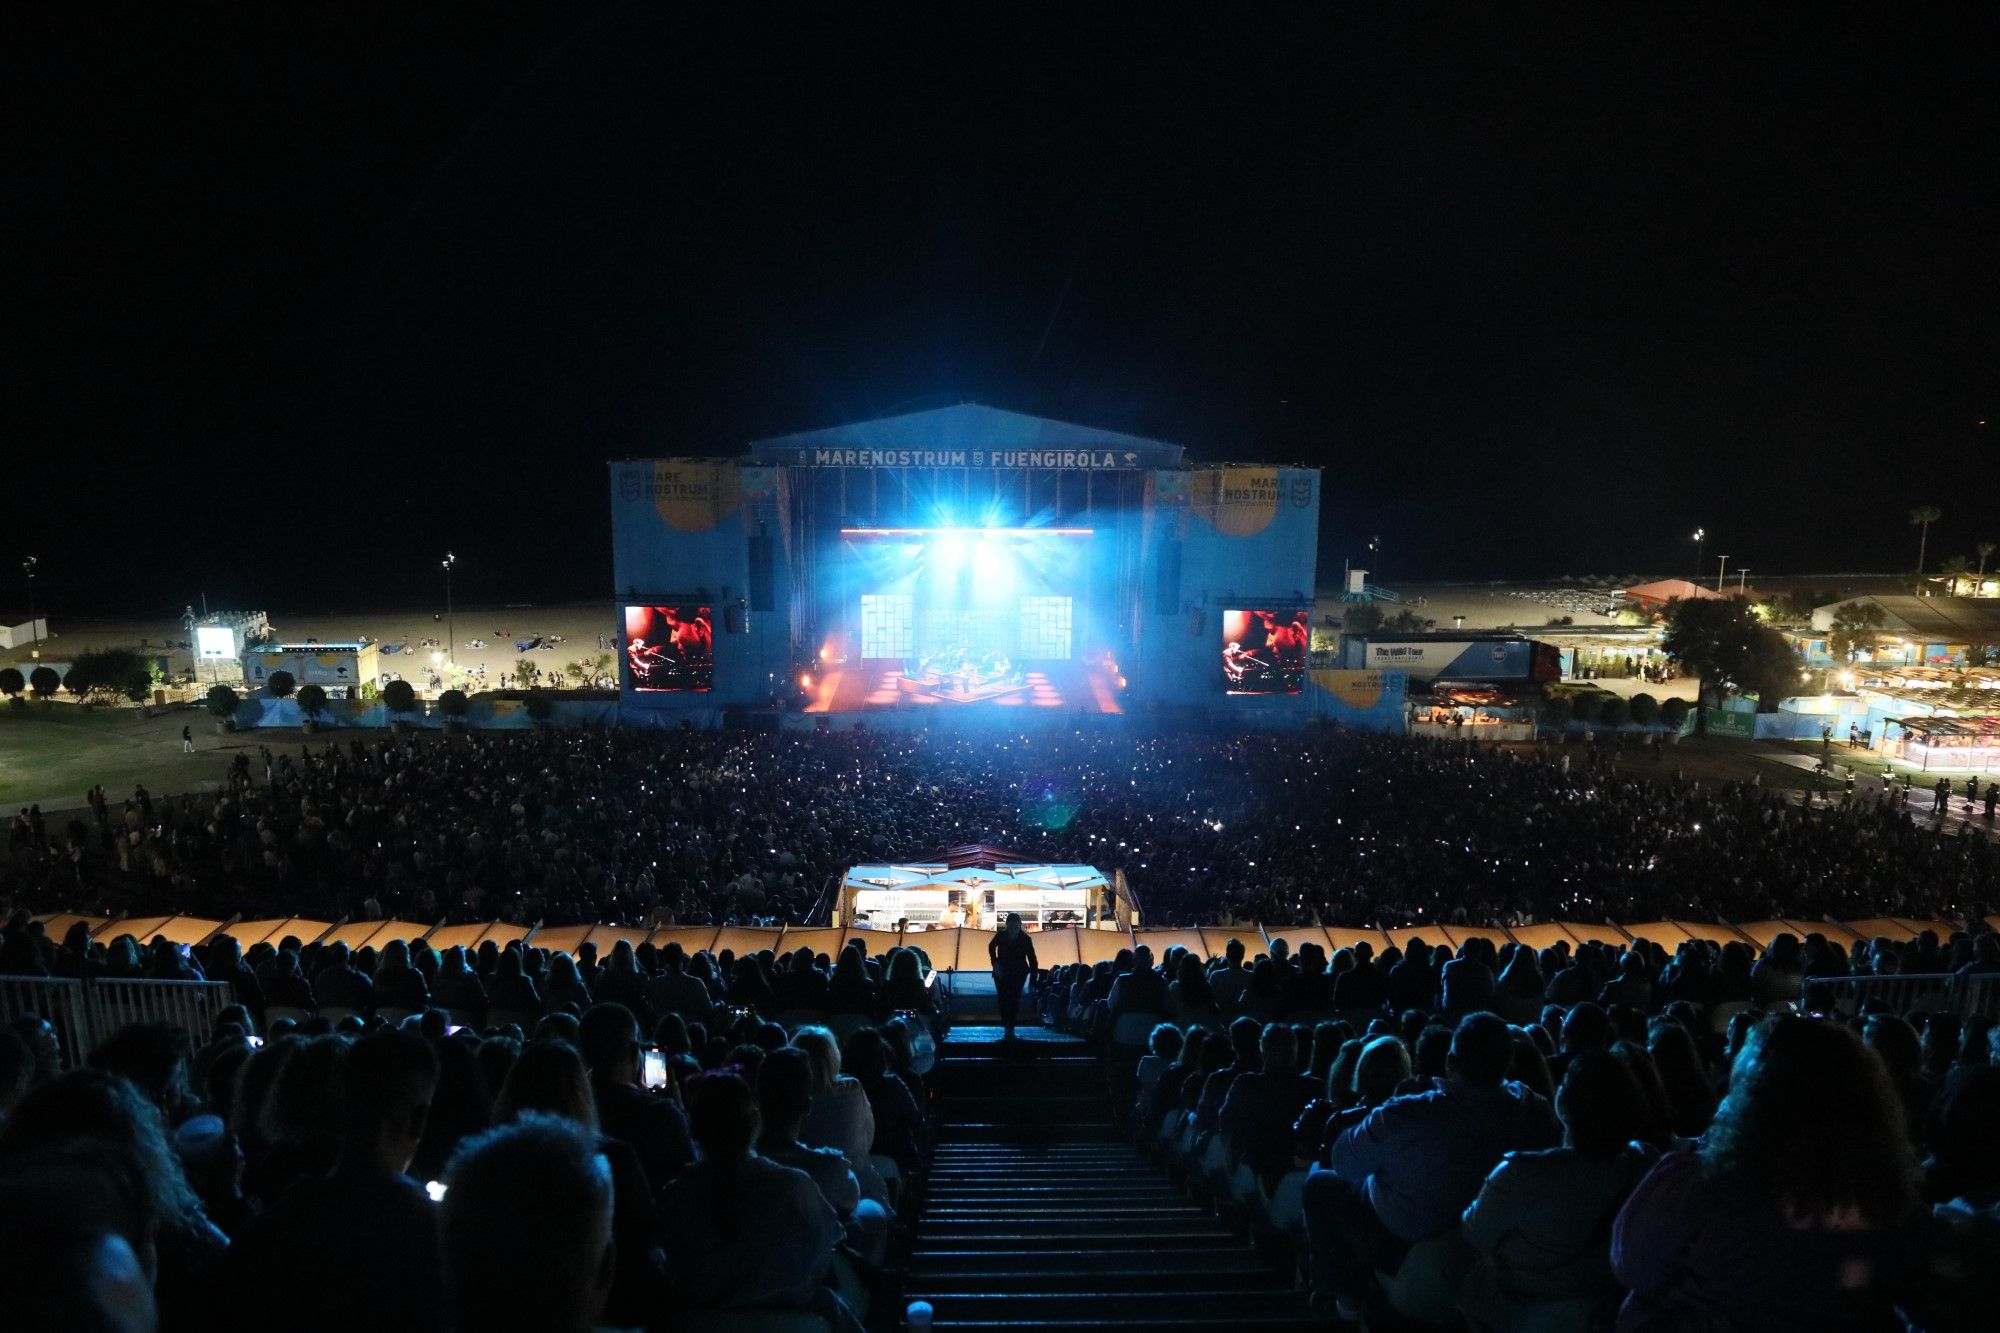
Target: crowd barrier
[1936, 993]
[86, 1012]
[965, 947]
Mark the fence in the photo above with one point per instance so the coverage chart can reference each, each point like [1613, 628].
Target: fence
[1937, 993]
[84, 1013]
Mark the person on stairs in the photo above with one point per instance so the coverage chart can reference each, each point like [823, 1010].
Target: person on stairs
[1012, 955]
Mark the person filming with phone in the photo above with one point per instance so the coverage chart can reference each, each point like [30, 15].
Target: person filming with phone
[652, 1122]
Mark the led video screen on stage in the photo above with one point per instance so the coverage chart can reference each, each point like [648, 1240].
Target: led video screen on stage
[670, 648]
[1264, 652]
[953, 597]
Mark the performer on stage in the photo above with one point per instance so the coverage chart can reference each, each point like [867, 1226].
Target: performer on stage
[1012, 955]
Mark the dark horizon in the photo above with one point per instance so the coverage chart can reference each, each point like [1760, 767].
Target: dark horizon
[304, 299]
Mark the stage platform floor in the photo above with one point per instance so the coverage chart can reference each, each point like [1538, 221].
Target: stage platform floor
[871, 687]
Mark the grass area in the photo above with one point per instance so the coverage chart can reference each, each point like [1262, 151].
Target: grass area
[1716, 759]
[1873, 761]
[54, 753]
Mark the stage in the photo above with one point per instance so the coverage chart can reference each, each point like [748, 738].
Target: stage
[959, 566]
[879, 685]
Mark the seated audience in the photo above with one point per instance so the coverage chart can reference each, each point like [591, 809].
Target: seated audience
[1542, 1221]
[526, 1228]
[364, 1216]
[1796, 1211]
[1408, 1171]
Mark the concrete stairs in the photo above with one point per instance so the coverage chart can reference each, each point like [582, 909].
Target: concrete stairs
[1042, 1217]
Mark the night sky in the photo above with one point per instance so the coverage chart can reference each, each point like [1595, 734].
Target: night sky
[296, 299]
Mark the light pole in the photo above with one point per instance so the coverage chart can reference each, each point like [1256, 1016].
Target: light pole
[1375, 557]
[1742, 575]
[1700, 536]
[28, 568]
[451, 638]
[1724, 569]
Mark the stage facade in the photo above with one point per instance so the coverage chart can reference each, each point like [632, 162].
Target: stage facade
[964, 563]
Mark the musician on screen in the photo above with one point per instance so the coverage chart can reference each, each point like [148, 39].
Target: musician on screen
[643, 660]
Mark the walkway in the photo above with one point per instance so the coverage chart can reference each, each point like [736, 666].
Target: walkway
[1042, 1216]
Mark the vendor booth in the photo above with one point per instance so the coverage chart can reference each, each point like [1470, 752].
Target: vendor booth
[1947, 744]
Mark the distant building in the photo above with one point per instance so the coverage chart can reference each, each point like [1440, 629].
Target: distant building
[339, 667]
[1968, 584]
[18, 631]
[1915, 631]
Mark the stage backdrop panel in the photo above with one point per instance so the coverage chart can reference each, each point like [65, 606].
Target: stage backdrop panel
[692, 939]
[1215, 939]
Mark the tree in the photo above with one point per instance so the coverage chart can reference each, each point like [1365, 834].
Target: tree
[12, 682]
[222, 702]
[541, 705]
[1673, 712]
[1363, 619]
[280, 684]
[400, 697]
[312, 701]
[1922, 517]
[1407, 622]
[526, 674]
[1985, 550]
[1584, 705]
[139, 688]
[1613, 711]
[108, 673]
[1957, 568]
[1797, 606]
[587, 671]
[454, 705]
[1854, 628]
[1725, 647]
[1645, 709]
[1555, 710]
[43, 682]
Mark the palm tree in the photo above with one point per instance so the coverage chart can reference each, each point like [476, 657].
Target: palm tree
[1922, 517]
[1985, 550]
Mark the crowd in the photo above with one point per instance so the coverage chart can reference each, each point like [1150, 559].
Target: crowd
[588, 1161]
[633, 827]
[1567, 1139]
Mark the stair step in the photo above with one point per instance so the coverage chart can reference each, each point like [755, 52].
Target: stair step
[958, 1194]
[1095, 1240]
[1127, 1307]
[1035, 1278]
[1060, 1209]
[1219, 1260]
[1249, 1319]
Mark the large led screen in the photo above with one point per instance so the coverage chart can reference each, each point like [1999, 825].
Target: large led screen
[1264, 652]
[670, 647]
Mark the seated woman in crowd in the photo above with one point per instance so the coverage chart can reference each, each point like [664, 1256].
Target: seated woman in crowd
[841, 1116]
[1797, 1210]
[1542, 1221]
[94, 1112]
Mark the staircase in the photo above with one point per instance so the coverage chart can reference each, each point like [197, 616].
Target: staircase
[1042, 1216]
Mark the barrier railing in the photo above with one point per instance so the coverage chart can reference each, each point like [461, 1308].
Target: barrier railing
[84, 1013]
[1938, 993]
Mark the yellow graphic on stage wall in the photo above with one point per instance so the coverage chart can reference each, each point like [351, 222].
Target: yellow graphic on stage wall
[1356, 689]
[693, 496]
[1237, 501]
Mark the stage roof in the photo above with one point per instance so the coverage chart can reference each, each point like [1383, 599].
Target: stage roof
[1934, 619]
[967, 426]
